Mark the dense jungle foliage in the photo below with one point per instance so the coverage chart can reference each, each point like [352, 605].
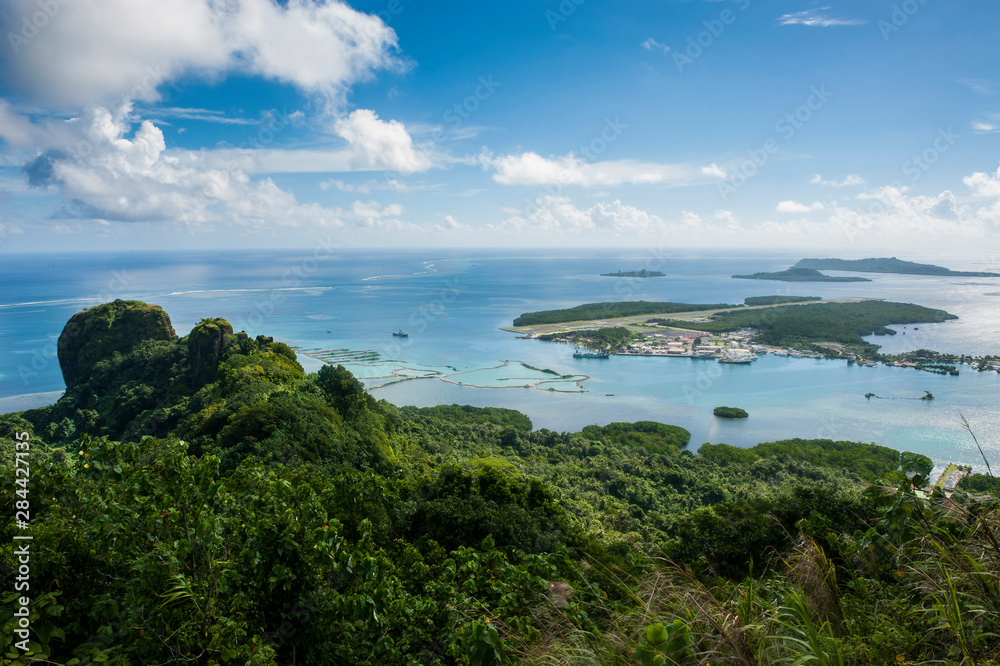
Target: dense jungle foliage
[730, 412]
[795, 325]
[202, 500]
[609, 338]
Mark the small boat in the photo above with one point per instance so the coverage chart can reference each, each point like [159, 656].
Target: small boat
[400, 333]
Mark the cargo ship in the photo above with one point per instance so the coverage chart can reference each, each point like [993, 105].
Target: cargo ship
[589, 354]
[738, 357]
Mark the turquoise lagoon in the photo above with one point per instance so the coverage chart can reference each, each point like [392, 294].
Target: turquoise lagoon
[453, 304]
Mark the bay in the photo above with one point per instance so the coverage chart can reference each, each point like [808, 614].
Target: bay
[453, 303]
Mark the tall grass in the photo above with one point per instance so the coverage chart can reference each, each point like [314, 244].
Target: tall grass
[922, 586]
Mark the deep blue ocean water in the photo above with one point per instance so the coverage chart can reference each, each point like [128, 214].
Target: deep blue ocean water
[453, 304]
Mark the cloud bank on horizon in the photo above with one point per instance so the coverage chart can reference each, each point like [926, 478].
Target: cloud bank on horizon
[257, 123]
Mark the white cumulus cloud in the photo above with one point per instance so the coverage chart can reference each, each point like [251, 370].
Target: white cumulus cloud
[714, 170]
[108, 171]
[380, 144]
[984, 184]
[530, 168]
[97, 52]
[796, 207]
[653, 45]
[985, 127]
[851, 180]
[818, 17]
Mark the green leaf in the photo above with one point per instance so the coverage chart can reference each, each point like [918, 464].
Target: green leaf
[656, 634]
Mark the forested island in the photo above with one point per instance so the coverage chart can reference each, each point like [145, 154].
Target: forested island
[886, 265]
[730, 413]
[590, 311]
[644, 273]
[799, 275]
[202, 499]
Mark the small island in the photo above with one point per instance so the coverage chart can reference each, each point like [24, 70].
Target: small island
[730, 413]
[799, 275]
[886, 265]
[644, 273]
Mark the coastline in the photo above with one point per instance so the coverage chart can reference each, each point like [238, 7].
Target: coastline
[660, 335]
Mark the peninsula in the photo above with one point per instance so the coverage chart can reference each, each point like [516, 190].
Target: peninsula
[600, 311]
[796, 274]
[885, 265]
[803, 327]
[644, 273]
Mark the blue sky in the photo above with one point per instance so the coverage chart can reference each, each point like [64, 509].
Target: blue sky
[142, 124]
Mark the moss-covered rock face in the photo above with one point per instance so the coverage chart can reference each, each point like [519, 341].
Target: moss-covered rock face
[96, 333]
[205, 344]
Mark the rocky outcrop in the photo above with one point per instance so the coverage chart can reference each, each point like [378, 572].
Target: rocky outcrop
[206, 342]
[96, 333]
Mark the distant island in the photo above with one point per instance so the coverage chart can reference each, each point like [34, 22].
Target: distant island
[644, 273]
[885, 265]
[730, 413]
[796, 274]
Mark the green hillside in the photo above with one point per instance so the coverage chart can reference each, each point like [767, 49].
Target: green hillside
[203, 500]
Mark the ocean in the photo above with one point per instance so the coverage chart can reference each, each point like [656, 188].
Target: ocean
[453, 304]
